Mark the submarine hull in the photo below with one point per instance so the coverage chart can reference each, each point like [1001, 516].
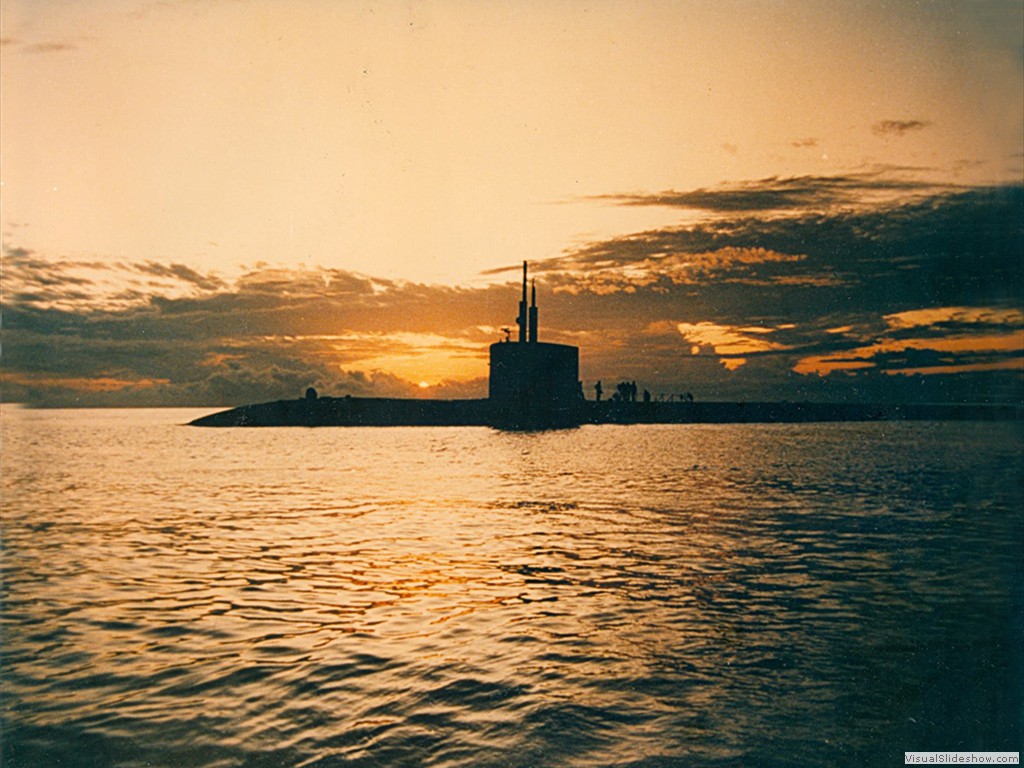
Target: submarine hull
[392, 412]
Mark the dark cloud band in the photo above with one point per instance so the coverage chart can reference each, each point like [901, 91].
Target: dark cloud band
[916, 300]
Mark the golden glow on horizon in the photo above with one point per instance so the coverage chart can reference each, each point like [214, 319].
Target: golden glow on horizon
[427, 359]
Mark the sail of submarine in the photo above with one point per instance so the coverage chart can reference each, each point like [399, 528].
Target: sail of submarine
[533, 384]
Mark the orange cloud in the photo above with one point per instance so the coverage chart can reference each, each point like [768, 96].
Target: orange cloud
[81, 384]
[729, 342]
[860, 357]
[920, 318]
[967, 331]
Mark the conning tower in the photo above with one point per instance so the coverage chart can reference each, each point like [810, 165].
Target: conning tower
[533, 384]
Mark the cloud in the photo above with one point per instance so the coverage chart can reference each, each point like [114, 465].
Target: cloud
[946, 319]
[944, 250]
[919, 300]
[661, 270]
[98, 384]
[268, 335]
[786, 194]
[843, 291]
[182, 272]
[804, 143]
[898, 127]
[49, 47]
[987, 351]
[39, 281]
[732, 345]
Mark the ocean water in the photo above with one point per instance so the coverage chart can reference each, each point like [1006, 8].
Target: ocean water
[678, 595]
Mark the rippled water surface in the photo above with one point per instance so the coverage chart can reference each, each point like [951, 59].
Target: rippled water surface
[688, 595]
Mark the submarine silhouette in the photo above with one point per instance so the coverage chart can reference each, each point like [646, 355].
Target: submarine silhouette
[534, 385]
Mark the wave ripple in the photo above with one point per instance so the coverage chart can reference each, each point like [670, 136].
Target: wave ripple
[696, 595]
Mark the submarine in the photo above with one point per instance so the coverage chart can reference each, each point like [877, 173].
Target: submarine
[535, 385]
[531, 385]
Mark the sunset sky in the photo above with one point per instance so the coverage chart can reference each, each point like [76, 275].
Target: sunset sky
[219, 203]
